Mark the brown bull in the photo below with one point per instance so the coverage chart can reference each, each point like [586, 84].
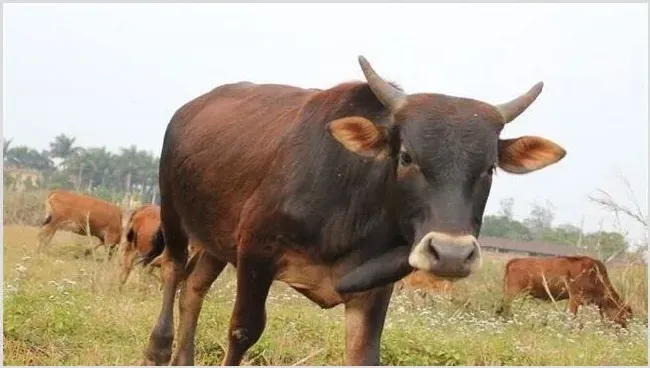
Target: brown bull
[81, 214]
[337, 192]
[581, 280]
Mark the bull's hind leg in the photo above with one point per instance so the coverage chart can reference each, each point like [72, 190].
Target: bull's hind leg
[47, 230]
[45, 235]
[364, 323]
[203, 274]
[159, 350]
[255, 272]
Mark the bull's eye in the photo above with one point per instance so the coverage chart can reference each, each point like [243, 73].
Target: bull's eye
[405, 159]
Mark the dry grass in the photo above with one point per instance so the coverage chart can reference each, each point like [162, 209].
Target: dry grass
[64, 308]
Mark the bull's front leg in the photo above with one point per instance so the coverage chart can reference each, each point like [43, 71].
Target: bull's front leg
[364, 324]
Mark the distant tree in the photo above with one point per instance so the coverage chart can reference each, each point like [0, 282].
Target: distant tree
[540, 219]
[62, 147]
[503, 227]
[566, 234]
[506, 207]
[28, 158]
[633, 211]
[606, 243]
[6, 143]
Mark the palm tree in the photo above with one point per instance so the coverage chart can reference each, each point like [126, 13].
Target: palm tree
[6, 143]
[63, 148]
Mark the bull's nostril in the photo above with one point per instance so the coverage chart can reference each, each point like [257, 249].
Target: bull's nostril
[471, 255]
[434, 253]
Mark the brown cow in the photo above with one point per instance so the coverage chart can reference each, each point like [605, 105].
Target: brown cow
[581, 280]
[141, 235]
[424, 282]
[337, 192]
[76, 212]
[141, 230]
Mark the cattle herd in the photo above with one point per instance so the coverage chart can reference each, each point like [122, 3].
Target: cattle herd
[340, 193]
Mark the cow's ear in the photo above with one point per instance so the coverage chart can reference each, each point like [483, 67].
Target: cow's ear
[361, 136]
[526, 154]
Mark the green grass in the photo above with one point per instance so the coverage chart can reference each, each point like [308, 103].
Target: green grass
[63, 308]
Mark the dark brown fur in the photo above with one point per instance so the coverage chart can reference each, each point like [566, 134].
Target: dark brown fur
[76, 212]
[581, 280]
[301, 186]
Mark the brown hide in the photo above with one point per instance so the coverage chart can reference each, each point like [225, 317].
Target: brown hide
[139, 238]
[424, 282]
[581, 280]
[75, 212]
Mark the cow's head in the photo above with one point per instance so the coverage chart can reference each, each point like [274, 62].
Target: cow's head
[445, 150]
[617, 312]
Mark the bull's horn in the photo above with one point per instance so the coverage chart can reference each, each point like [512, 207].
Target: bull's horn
[510, 110]
[389, 96]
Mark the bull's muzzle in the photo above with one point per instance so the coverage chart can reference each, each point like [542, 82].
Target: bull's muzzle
[446, 255]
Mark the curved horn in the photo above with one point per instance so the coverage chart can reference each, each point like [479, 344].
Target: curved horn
[510, 110]
[388, 95]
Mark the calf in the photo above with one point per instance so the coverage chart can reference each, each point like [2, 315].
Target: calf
[81, 214]
[141, 233]
[581, 280]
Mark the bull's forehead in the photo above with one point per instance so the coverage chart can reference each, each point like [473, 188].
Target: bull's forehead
[438, 108]
[450, 133]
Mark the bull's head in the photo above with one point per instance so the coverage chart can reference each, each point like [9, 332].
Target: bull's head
[444, 151]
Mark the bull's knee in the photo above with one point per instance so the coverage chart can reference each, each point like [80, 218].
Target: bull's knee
[242, 338]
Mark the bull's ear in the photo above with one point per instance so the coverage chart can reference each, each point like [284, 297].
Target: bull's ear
[526, 154]
[361, 136]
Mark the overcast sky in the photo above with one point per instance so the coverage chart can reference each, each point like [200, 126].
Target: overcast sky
[113, 74]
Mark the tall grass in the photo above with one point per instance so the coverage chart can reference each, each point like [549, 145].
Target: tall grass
[25, 208]
[64, 308]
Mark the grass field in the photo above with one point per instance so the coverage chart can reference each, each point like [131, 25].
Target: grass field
[64, 308]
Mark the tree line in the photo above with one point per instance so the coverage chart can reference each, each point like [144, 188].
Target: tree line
[538, 226]
[93, 170]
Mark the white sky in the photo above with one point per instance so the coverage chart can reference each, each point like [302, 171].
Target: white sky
[113, 74]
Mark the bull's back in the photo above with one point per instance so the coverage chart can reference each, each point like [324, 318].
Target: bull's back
[223, 145]
[541, 276]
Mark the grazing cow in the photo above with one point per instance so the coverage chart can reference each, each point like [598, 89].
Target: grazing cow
[582, 280]
[338, 193]
[77, 213]
[424, 282]
[141, 235]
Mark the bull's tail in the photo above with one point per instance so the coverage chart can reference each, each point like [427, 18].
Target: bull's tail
[48, 219]
[48, 210]
[158, 246]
